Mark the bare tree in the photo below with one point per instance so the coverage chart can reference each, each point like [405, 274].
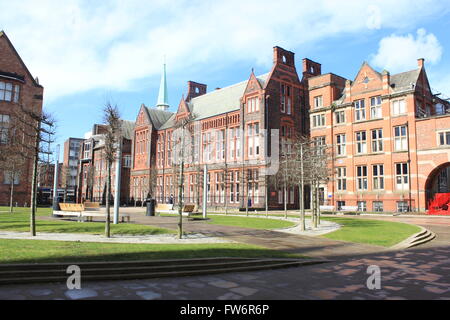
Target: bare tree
[37, 131]
[182, 155]
[111, 118]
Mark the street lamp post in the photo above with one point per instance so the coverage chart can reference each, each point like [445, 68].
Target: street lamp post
[55, 181]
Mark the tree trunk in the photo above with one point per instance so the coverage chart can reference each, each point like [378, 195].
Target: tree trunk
[285, 201]
[108, 197]
[11, 196]
[34, 183]
[267, 199]
[301, 190]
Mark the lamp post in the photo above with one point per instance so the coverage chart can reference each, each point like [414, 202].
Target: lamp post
[55, 181]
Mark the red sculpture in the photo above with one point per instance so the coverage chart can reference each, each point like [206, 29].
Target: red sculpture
[440, 205]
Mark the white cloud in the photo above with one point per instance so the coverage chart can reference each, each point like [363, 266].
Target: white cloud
[74, 46]
[400, 53]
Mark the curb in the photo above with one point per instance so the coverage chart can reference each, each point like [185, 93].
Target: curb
[421, 237]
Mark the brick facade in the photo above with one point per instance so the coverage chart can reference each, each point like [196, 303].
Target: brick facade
[384, 133]
[14, 74]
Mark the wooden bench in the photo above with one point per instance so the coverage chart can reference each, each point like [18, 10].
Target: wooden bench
[69, 210]
[327, 208]
[349, 209]
[188, 209]
[88, 216]
[91, 205]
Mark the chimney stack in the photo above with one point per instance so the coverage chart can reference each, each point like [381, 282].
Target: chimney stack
[421, 63]
[195, 89]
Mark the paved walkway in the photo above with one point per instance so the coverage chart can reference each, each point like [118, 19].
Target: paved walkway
[412, 274]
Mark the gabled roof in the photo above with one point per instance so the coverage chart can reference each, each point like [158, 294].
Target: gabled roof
[158, 117]
[3, 35]
[127, 129]
[222, 100]
[403, 81]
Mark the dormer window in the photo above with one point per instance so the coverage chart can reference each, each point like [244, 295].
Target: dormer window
[9, 92]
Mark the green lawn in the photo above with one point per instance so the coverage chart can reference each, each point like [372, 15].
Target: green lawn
[20, 221]
[254, 223]
[376, 232]
[38, 251]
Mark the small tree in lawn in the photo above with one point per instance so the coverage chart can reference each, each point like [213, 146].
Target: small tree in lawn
[182, 154]
[36, 131]
[111, 118]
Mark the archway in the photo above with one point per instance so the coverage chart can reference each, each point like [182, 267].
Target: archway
[437, 190]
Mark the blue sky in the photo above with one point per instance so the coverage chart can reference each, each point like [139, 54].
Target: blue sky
[86, 52]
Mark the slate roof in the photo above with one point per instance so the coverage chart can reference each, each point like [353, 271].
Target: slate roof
[158, 117]
[402, 81]
[216, 102]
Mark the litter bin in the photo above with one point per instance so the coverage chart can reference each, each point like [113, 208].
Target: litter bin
[150, 207]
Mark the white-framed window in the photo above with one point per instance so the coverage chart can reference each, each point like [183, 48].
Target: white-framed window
[360, 110]
[8, 176]
[9, 92]
[341, 178]
[318, 120]
[340, 117]
[361, 142]
[444, 138]
[402, 206]
[377, 140]
[401, 176]
[283, 98]
[320, 144]
[362, 206]
[127, 161]
[361, 174]
[253, 105]
[375, 108]
[318, 102]
[87, 150]
[4, 128]
[378, 206]
[220, 145]
[253, 139]
[400, 138]
[398, 107]
[378, 177]
[341, 145]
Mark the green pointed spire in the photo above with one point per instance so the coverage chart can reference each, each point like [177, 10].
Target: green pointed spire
[163, 98]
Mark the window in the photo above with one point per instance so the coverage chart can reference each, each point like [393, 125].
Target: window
[444, 138]
[398, 107]
[4, 128]
[375, 107]
[378, 177]
[253, 185]
[340, 204]
[402, 206]
[361, 173]
[340, 117]
[207, 147]
[362, 206]
[234, 186]
[127, 161]
[341, 178]
[318, 120]
[253, 139]
[340, 145]
[9, 92]
[378, 206]
[253, 105]
[220, 145]
[8, 176]
[87, 149]
[377, 140]
[401, 176]
[318, 102]
[361, 142]
[400, 138]
[283, 99]
[320, 144]
[360, 110]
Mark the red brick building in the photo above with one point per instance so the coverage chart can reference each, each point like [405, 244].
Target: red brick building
[17, 87]
[229, 137]
[390, 138]
[92, 170]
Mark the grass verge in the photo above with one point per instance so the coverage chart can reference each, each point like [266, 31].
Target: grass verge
[253, 223]
[375, 232]
[20, 221]
[32, 251]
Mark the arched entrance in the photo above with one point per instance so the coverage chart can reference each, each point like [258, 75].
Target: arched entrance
[437, 189]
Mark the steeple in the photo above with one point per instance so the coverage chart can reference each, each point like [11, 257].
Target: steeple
[163, 99]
